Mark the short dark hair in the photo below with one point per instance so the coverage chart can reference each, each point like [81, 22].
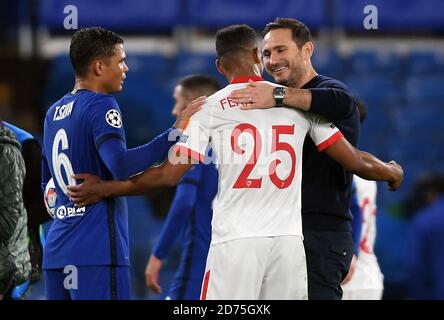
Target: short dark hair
[235, 39]
[202, 84]
[91, 43]
[300, 32]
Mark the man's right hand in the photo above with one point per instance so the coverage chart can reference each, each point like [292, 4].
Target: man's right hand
[152, 274]
[398, 174]
[90, 191]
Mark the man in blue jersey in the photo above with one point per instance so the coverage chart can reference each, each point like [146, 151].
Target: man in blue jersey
[191, 210]
[86, 252]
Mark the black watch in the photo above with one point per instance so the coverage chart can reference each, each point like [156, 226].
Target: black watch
[279, 95]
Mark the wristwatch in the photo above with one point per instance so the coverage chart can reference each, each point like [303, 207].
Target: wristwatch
[279, 95]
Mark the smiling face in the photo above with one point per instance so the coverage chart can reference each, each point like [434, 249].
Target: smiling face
[114, 70]
[283, 59]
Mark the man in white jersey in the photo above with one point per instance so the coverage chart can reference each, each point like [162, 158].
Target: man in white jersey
[256, 250]
[365, 280]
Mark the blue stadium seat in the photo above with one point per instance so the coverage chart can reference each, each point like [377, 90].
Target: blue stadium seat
[60, 80]
[156, 67]
[193, 62]
[375, 88]
[420, 119]
[425, 62]
[328, 63]
[136, 16]
[425, 89]
[411, 146]
[365, 62]
[188, 63]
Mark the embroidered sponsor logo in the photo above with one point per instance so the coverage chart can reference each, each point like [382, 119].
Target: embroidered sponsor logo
[66, 212]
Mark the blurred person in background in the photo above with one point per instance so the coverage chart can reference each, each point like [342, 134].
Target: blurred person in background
[364, 280]
[15, 265]
[425, 259]
[190, 211]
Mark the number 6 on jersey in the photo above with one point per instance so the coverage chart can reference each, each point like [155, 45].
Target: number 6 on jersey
[60, 160]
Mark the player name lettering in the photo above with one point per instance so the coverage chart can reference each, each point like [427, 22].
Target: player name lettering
[63, 111]
[190, 310]
[227, 102]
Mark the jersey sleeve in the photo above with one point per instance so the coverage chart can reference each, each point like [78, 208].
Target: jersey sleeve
[196, 136]
[323, 133]
[106, 120]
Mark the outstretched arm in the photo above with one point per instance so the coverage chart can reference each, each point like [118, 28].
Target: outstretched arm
[366, 165]
[333, 103]
[93, 189]
[123, 162]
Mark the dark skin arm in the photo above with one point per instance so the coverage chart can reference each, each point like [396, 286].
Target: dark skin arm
[361, 163]
[365, 165]
[93, 189]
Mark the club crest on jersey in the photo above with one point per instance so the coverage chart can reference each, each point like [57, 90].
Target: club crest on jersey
[183, 138]
[113, 118]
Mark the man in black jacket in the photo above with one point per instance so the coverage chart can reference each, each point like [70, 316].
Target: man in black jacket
[15, 263]
[32, 196]
[326, 186]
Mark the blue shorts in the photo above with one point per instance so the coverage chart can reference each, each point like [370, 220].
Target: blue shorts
[88, 283]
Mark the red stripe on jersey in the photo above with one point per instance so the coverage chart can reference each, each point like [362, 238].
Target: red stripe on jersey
[330, 141]
[190, 153]
[244, 79]
[205, 286]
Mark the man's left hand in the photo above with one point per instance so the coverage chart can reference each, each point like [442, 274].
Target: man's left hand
[257, 95]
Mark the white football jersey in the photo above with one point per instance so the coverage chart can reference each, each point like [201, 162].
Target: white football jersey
[367, 282]
[258, 154]
[366, 192]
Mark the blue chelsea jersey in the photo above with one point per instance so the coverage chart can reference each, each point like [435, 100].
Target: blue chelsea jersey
[75, 126]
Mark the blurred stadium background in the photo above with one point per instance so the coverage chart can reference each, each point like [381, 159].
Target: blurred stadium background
[397, 70]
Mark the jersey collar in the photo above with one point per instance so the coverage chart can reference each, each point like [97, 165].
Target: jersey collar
[244, 79]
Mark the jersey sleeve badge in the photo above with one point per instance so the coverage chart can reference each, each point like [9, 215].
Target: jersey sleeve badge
[113, 118]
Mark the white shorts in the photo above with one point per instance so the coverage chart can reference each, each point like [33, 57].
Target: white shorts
[264, 268]
[367, 283]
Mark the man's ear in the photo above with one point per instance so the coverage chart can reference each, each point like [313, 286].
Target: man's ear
[98, 67]
[307, 50]
[219, 67]
[256, 56]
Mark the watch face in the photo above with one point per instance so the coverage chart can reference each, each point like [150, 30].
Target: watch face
[279, 92]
